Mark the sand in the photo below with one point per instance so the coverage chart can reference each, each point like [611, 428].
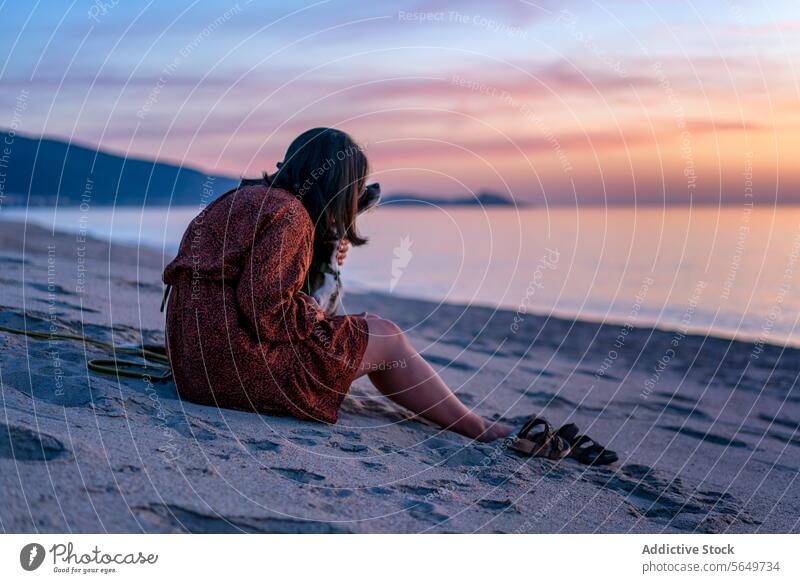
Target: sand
[706, 428]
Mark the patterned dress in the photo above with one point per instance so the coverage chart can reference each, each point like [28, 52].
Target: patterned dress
[240, 333]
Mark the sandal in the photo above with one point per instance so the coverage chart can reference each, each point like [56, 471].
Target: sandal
[543, 443]
[584, 449]
[569, 432]
[591, 455]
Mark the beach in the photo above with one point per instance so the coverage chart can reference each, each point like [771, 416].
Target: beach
[706, 428]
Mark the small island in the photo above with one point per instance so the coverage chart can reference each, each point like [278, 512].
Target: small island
[43, 171]
[482, 199]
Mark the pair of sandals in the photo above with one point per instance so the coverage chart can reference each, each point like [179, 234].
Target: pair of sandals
[566, 442]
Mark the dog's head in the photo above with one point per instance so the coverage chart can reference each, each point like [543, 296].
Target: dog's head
[370, 197]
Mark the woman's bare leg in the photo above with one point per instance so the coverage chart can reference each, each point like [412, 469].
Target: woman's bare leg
[400, 373]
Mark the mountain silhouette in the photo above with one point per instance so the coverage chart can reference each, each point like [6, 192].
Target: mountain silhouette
[39, 171]
[43, 171]
[481, 199]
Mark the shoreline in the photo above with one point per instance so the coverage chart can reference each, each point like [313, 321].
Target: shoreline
[567, 317]
[707, 438]
[594, 319]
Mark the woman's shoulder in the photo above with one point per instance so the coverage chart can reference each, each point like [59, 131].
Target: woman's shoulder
[271, 203]
[252, 207]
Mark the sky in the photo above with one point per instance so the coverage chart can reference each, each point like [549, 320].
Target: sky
[549, 102]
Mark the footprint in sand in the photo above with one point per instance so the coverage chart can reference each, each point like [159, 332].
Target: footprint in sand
[393, 450]
[593, 374]
[440, 444]
[677, 397]
[111, 407]
[310, 432]
[351, 447]
[466, 398]
[337, 492]
[171, 517]
[40, 383]
[50, 288]
[787, 423]
[679, 410]
[498, 505]
[449, 485]
[417, 490]
[25, 445]
[425, 511]
[189, 428]
[67, 307]
[472, 456]
[783, 438]
[201, 471]
[494, 478]
[453, 454]
[708, 437]
[303, 441]
[5, 260]
[100, 489]
[656, 496]
[309, 437]
[380, 491]
[140, 285]
[537, 371]
[262, 445]
[374, 408]
[298, 475]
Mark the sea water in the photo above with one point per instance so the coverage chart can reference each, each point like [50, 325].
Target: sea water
[731, 271]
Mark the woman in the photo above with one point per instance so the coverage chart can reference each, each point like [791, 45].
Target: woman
[240, 332]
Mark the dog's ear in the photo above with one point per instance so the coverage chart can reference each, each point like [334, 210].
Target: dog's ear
[370, 197]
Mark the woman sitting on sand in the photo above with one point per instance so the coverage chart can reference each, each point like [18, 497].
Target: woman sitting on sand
[242, 335]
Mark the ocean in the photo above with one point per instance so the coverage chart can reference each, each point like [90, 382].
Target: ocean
[731, 272]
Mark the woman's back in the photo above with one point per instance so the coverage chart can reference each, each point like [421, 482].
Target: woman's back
[240, 334]
[222, 236]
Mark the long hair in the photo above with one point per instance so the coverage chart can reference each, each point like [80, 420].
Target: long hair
[326, 170]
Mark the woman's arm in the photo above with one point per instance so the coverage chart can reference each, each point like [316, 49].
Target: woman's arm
[269, 286]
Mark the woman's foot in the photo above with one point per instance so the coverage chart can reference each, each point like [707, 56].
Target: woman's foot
[480, 429]
[495, 430]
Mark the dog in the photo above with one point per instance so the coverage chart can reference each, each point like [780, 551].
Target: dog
[323, 280]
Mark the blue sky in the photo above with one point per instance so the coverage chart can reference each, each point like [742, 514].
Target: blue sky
[446, 96]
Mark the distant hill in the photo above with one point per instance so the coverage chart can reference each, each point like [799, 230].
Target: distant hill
[41, 171]
[483, 199]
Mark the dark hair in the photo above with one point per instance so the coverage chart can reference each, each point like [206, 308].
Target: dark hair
[326, 170]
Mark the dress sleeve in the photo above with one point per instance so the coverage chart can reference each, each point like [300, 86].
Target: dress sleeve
[269, 286]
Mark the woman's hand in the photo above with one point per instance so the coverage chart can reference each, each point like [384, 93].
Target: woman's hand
[341, 252]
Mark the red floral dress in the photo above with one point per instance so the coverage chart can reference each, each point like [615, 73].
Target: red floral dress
[240, 333]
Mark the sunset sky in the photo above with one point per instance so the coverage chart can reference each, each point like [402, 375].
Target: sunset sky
[614, 102]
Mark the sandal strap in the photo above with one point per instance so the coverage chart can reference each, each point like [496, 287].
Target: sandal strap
[555, 448]
[580, 440]
[569, 432]
[587, 451]
[531, 423]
